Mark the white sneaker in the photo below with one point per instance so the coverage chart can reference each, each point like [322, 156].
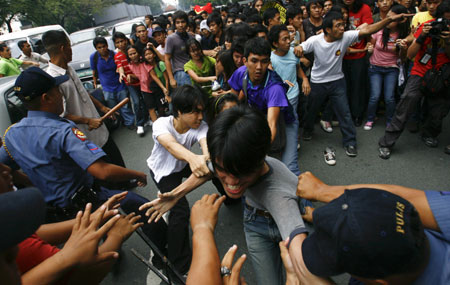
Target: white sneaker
[148, 123]
[140, 130]
[326, 126]
[329, 155]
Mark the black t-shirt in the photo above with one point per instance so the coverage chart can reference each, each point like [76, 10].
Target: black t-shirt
[140, 46]
[210, 42]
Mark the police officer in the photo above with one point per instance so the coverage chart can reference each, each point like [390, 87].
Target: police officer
[58, 158]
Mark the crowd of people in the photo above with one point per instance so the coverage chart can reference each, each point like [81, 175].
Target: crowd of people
[241, 84]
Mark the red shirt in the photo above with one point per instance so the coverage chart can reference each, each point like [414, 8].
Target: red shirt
[121, 61]
[32, 252]
[441, 58]
[364, 15]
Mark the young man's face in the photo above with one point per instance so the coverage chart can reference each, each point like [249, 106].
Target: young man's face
[284, 41]
[296, 21]
[275, 20]
[327, 5]
[384, 5]
[192, 119]
[159, 37]
[230, 21]
[315, 11]
[337, 31]
[204, 15]
[224, 15]
[235, 186]
[121, 44]
[432, 6]
[148, 22]
[214, 28]
[180, 25]
[102, 49]
[26, 49]
[257, 67]
[6, 53]
[205, 33]
[238, 59]
[405, 3]
[142, 33]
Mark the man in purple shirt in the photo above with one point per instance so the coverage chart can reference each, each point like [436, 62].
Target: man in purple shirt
[264, 90]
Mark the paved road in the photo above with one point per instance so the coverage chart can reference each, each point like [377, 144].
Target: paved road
[412, 164]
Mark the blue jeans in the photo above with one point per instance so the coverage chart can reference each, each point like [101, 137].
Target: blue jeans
[382, 76]
[138, 105]
[262, 237]
[337, 92]
[113, 98]
[290, 153]
[181, 78]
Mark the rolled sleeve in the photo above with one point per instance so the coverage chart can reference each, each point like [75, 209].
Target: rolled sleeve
[439, 202]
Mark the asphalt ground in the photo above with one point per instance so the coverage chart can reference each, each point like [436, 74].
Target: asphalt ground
[412, 164]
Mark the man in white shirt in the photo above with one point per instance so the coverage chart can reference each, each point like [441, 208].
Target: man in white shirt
[29, 55]
[327, 78]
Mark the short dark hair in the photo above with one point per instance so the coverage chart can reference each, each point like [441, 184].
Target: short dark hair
[179, 15]
[3, 46]
[260, 29]
[119, 35]
[274, 33]
[443, 8]
[257, 46]
[357, 5]
[186, 98]
[99, 40]
[239, 139]
[238, 45]
[20, 44]
[329, 19]
[254, 18]
[140, 25]
[270, 13]
[53, 40]
[193, 42]
[291, 12]
[215, 18]
[316, 2]
[149, 17]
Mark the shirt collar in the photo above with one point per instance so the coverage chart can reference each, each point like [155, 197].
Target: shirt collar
[57, 69]
[43, 114]
[250, 84]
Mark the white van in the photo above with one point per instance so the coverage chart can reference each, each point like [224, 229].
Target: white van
[32, 36]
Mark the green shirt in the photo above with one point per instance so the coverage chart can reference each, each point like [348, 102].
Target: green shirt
[208, 69]
[9, 67]
[159, 70]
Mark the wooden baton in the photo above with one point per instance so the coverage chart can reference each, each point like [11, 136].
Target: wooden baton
[115, 108]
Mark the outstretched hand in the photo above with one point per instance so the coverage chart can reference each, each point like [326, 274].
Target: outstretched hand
[204, 212]
[234, 278]
[158, 207]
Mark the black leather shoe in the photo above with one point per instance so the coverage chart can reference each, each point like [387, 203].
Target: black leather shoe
[358, 121]
[351, 151]
[430, 142]
[307, 135]
[385, 152]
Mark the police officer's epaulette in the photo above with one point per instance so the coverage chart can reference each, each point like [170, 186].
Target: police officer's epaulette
[4, 142]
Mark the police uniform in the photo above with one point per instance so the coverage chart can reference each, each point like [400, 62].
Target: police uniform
[55, 155]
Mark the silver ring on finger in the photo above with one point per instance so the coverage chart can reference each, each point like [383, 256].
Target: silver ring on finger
[225, 271]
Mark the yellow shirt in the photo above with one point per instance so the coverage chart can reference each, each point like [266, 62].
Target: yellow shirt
[420, 18]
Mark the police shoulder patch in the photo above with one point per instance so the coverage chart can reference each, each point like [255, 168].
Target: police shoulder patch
[79, 134]
[93, 148]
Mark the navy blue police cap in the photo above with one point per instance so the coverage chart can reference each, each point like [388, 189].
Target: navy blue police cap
[34, 82]
[368, 233]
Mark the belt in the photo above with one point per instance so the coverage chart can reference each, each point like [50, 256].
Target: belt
[259, 212]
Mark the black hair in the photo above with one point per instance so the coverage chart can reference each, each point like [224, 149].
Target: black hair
[149, 17]
[291, 12]
[53, 40]
[20, 44]
[99, 40]
[257, 46]
[239, 139]
[191, 13]
[238, 30]
[120, 35]
[216, 105]
[270, 13]
[329, 19]
[274, 34]
[254, 3]
[241, 17]
[186, 98]
[238, 45]
[139, 25]
[215, 18]
[254, 18]
[403, 28]
[260, 29]
[309, 4]
[357, 5]
[137, 51]
[156, 58]
[443, 8]
[226, 58]
[192, 25]
[193, 42]
[179, 15]
[338, 8]
[231, 16]
[3, 46]
[224, 9]
[133, 28]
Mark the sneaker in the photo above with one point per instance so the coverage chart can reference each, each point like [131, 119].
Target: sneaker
[357, 121]
[140, 131]
[326, 126]
[330, 156]
[430, 142]
[307, 135]
[351, 151]
[298, 147]
[368, 126]
[385, 152]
